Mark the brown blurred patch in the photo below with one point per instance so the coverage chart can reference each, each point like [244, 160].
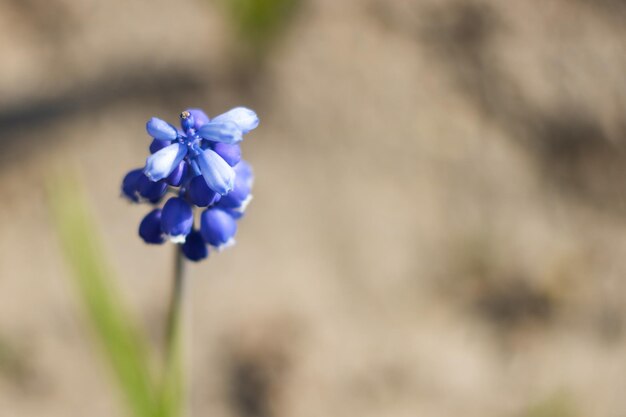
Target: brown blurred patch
[572, 144]
[17, 369]
[502, 295]
[258, 363]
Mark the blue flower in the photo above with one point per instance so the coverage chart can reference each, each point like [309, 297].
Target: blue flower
[195, 248]
[176, 219]
[246, 119]
[200, 163]
[193, 143]
[130, 184]
[231, 153]
[219, 176]
[158, 144]
[151, 191]
[218, 228]
[176, 176]
[241, 195]
[200, 194]
[150, 227]
[160, 129]
[161, 163]
[226, 132]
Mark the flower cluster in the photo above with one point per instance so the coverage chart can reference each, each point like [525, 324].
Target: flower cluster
[200, 164]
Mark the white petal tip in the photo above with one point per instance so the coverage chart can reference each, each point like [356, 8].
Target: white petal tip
[177, 239]
[228, 244]
[244, 204]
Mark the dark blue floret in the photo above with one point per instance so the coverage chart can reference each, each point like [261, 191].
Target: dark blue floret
[218, 228]
[200, 194]
[194, 248]
[151, 191]
[176, 177]
[150, 227]
[130, 184]
[156, 145]
[230, 153]
[176, 219]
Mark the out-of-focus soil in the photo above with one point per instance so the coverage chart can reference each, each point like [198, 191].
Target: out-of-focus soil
[439, 221]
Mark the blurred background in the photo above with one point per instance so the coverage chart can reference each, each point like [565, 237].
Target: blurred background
[439, 222]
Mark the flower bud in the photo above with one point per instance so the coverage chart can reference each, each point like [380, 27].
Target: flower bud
[150, 190]
[218, 175]
[150, 227]
[245, 118]
[161, 164]
[218, 228]
[200, 194]
[226, 132]
[160, 129]
[239, 198]
[194, 248]
[130, 184]
[231, 153]
[157, 144]
[243, 170]
[176, 177]
[176, 219]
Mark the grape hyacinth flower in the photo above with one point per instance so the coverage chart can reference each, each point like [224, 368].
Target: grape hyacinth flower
[200, 164]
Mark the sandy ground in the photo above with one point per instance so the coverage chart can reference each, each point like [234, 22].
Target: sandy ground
[439, 222]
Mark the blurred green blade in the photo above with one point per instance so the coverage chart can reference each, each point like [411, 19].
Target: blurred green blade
[125, 348]
[260, 21]
[172, 387]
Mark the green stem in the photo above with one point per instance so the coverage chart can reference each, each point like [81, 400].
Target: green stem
[176, 301]
[174, 387]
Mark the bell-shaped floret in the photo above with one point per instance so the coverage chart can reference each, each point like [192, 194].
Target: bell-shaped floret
[218, 228]
[150, 190]
[200, 194]
[231, 153]
[245, 118]
[219, 176]
[225, 132]
[130, 184]
[156, 145]
[176, 219]
[244, 171]
[161, 164]
[239, 198]
[177, 176]
[194, 248]
[150, 227]
[160, 129]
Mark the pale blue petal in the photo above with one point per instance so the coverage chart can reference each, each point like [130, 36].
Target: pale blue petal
[219, 176]
[245, 118]
[161, 164]
[160, 129]
[225, 132]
